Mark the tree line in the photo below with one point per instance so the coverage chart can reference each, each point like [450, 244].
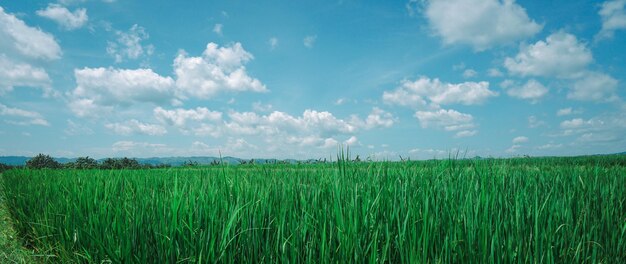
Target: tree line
[43, 161]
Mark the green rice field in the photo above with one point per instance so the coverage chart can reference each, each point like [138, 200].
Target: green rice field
[524, 210]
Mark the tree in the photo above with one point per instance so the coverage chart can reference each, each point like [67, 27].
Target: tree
[42, 161]
[109, 164]
[123, 163]
[85, 163]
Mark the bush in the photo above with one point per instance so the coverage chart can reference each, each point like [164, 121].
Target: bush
[42, 161]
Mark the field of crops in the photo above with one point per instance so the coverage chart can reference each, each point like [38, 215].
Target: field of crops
[545, 210]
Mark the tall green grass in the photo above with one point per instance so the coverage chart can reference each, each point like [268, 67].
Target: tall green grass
[480, 211]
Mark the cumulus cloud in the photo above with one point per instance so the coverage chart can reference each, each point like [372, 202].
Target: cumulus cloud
[128, 45]
[613, 18]
[605, 129]
[19, 116]
[61, 15]
[532, 90]
[13, 73]
[520, 140]
[594, 86]
[218, 69]
[379, 118]
[563, 56]
[493, 72]
[313, 128]
[549, 146]
[312, 121]
[179, 117]
[513, 148]
[481, 24]
[430, 153]
[28, 41]
[260, 107]
[133, 148]
[534, 122]
[107, 87]
[560, 55]
[134, 126]
[567, 111]
[448, 120]
[425, 91]
[469, 73]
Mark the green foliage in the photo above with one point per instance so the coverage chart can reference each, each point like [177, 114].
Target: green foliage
[5, 167]
[85, 163]
[565, 210]
[190, 163]
[123, 163]
[42, 161]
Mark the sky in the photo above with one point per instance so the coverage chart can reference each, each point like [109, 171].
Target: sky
[414, 79]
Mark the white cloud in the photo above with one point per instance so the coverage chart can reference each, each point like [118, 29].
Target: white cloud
[481, 24]
[469, 73]
[315, 127]
[22, 117]
[513, 148]
[179, 117]
[21, 44]
[534, 122]
[71, 2]
[219, 69]
[107, 87]
[138, 148]
[564, 111]
[561, 55]
[61, 15]
[273, 42]
[74, 129]
[572, 124]
[352, 141]
[14, 74]
[309, 41]
[134, 126]
[594, 86]
[606, 129]
[429, 153]
[425, 90]
[128, 45]
[466, 133]
[379, 118]
[218, 29]
[532, 90]
[259, 107]
[28, 41]
[448, 120]
[520, 139]
[493, 72]
[549, 146]
[613, 18]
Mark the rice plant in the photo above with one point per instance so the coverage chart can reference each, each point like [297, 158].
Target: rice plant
[540, 210]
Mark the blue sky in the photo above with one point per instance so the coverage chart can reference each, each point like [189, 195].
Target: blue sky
[295, 79]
